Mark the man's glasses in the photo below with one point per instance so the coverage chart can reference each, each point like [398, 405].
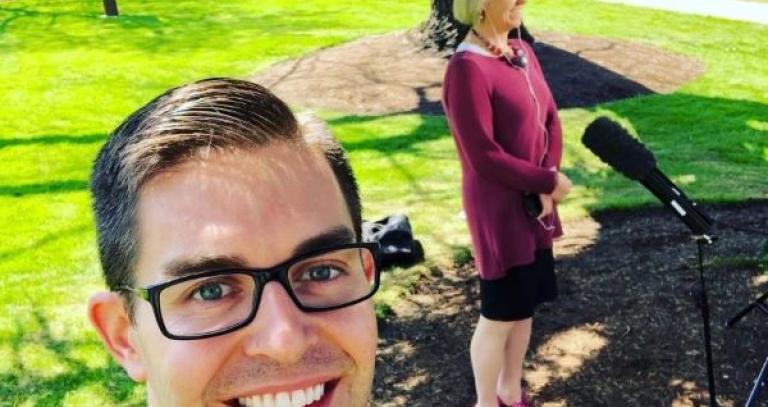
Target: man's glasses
[217, 302]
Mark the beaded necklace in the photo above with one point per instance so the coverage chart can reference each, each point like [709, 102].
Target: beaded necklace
[519, 58]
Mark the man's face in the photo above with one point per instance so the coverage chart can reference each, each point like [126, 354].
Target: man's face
[260, 207]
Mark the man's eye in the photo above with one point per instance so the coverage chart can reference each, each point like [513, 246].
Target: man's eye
[320, 273]
[211, 291]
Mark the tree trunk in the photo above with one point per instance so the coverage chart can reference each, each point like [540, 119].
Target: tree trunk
[110, 8]
[443, 33]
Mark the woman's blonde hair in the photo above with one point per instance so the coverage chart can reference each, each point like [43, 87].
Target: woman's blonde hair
[467, 11]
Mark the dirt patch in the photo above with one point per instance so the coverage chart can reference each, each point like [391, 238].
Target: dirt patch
[625, 330]
[373, 75]
[392, 73]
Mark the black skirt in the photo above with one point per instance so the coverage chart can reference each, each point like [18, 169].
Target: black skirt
[515, 296]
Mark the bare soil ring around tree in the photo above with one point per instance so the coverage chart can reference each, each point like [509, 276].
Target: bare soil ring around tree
[393, 73]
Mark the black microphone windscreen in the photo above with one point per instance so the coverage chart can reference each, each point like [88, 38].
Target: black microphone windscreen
[614, 146]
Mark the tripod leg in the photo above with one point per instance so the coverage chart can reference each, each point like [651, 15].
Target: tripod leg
[707, 336]
[757, 303]
[762, 307]
[759, 384]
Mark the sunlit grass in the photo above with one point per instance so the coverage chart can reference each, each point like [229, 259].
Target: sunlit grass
[68, 76]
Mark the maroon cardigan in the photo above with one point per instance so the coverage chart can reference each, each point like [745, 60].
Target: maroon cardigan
[492, 116]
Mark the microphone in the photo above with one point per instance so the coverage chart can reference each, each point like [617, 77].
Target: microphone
[614, 146]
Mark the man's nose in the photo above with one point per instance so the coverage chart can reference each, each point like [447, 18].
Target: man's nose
[280, 330]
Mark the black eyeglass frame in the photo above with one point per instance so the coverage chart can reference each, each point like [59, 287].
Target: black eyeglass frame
[262, 276]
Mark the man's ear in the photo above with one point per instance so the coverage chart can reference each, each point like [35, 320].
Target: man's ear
[108, 315]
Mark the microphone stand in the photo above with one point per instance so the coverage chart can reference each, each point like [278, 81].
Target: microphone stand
[597, 138]
[703, 301]
[701, 227]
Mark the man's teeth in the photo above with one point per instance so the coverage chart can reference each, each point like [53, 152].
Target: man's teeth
[296, 398]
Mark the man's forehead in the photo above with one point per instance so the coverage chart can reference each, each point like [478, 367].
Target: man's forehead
[276, 172]
[256, 205]
[276, 159]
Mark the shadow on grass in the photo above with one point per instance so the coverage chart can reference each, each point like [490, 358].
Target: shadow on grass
[52, 139]
[47, 239]
[39, 387]
[578, 82]
[53, 186]
[44, 188]
[700, 127]
[431, 128]
[10, 14]
[151, 27]
[716, 149]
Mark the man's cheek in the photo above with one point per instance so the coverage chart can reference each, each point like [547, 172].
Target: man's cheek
[356, 326]
[179, 371]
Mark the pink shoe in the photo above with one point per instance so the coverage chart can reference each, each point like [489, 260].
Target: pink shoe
[524, 401]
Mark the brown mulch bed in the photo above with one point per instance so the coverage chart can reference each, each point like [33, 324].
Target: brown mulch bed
[392, 73]
[625, 330]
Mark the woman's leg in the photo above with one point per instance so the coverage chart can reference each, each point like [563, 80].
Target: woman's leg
[486, 350]
[510, 379]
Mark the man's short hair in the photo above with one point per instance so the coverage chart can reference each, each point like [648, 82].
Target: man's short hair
[215, 114]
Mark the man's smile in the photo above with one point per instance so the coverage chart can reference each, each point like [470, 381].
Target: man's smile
[312, 395]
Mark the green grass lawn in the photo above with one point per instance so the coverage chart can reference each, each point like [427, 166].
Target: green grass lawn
[68, 76]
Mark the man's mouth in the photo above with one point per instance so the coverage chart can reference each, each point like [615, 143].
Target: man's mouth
[312, 396]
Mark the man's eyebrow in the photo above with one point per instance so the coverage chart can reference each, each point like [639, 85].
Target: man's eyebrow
[335, 236]
[332, 237]
[181, 268]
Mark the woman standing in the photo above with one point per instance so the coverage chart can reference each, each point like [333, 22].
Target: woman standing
[504, 121]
